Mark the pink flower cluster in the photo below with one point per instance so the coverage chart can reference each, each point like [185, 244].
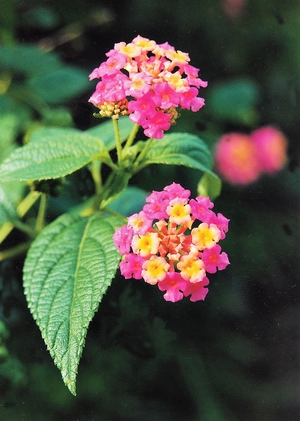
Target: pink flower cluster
[148, 82]
[242, 159]
[173, 243]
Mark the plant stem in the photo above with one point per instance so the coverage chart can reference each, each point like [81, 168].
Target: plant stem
[5, 230]
[27, 203]
[132, 135]
[95, 169]
[41, 214]
[118, 140]
[106, 187]
[22, 209]
[143, 152]
[24, 228]
[14, 251]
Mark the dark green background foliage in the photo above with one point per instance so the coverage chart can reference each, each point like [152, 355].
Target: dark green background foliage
[234, 356]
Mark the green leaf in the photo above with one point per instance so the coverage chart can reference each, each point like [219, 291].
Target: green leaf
[59, 85]
[52, 153]
[209, 185]
[130, 201]
[116, 184]
[234, 101]
[7, 209]
[180, 149]
[57, 117]
[66, 273]
[13, 118]
[105, 131]
[27, 59]
[44, 18]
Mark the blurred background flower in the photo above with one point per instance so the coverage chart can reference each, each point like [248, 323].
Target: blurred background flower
[271, 149]
[236, 159]
[241, 159]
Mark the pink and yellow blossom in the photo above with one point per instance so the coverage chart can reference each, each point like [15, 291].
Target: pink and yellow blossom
[162, 247]
[205, 236]
[179, 211]
[155, 269]
[153, 80]
[191, 268]
[139, 223]
[145, 245]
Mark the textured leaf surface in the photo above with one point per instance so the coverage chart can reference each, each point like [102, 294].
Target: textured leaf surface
[180, 149]
[67, 270]
[105, 131]
[7, 209]
[51, 153]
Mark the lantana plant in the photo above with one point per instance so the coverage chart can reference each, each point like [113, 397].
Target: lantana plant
[173, 241]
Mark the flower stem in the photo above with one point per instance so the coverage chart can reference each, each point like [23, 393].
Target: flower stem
[95, 169]
[143, 152]
[118, 140]
[132, 135]
[27, 203]
[14, 251]
[41, 214]
[24, 228]
[5, 230]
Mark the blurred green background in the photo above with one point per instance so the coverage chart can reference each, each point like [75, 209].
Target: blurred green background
[234, 356]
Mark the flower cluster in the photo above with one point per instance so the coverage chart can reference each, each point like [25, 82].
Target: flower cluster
[242, 159]
[173, 243]
[148, 82]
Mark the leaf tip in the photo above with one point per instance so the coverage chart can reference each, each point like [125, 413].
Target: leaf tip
[71, 385]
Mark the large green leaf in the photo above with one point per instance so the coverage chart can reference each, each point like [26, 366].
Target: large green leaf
[13, 118]
[115, 185]
[234, 100]
[180, 149]
[59, 85]
[27, 59]
[130, 201]
[52, 153]
[105, 131]
[67, 270]
[7, 209]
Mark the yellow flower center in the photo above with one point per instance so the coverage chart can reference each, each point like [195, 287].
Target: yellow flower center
[192, 269]
[206, 236]
[146, 244]
[155, 269]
